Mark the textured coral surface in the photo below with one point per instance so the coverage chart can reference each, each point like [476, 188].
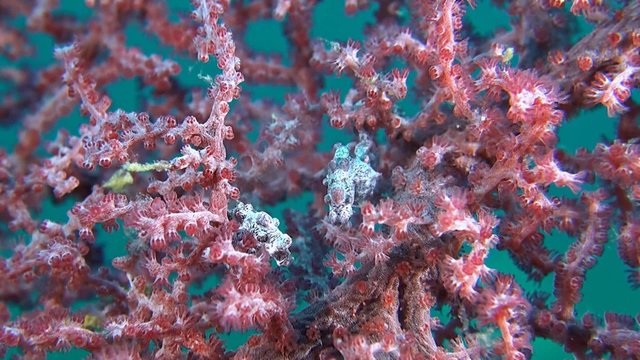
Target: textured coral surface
[179, 176]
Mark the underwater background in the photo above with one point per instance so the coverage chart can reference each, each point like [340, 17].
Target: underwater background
[605, 289]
